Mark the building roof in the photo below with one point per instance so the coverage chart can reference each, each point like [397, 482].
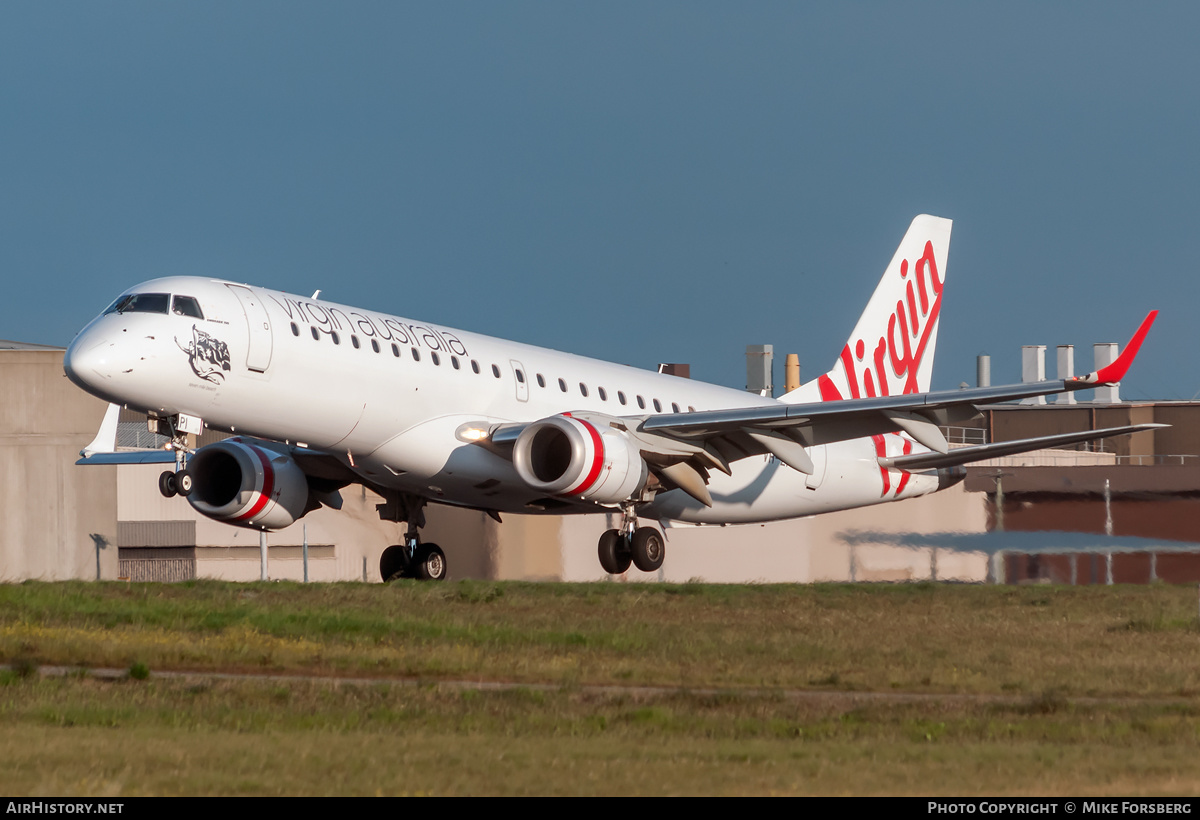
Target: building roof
[6, 344]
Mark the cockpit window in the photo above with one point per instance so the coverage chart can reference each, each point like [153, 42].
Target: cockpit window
[186, 306]
[142, 303]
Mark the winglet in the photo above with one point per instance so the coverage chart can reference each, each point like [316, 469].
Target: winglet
[1112, 373]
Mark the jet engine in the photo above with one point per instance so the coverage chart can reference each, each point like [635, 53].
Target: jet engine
[247, 485]
[563, 455]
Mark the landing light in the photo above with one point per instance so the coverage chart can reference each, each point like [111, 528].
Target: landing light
[472, 432]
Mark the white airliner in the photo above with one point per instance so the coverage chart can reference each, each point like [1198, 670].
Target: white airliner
[320, 396]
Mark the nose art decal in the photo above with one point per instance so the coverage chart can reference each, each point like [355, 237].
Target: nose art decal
[208, 355]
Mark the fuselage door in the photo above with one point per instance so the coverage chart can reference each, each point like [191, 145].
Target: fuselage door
[521, 378]
[258, 349]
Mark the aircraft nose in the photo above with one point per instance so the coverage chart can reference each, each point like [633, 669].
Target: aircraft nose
[87, 360]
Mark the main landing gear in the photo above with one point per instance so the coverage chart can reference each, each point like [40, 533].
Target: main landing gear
[412, 559]
[644, 547]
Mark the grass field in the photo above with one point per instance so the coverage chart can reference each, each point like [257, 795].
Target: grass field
[614, 689]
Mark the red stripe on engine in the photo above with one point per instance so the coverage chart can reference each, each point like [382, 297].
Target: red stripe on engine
[597, 460]
[268, 485]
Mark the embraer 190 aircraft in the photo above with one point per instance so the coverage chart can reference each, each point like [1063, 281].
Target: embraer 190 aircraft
[319, 396]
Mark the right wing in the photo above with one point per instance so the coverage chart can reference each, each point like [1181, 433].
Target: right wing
[681, 448]
[785, 429]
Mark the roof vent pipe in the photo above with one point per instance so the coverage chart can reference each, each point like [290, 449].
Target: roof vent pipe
[983, 371]
[791, 372]
[1106, 354]
[1066, 370]
[759, 359]
[1033, 369]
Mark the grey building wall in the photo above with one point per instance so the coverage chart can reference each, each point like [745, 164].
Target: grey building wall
[57, 521]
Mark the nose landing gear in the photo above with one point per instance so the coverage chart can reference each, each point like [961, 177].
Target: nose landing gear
[179, 482]
[172, 484]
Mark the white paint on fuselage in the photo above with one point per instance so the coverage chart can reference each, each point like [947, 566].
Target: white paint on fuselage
[395, 418]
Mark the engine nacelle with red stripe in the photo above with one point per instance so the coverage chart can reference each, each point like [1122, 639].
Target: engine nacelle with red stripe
[573, 457]
[247, 484]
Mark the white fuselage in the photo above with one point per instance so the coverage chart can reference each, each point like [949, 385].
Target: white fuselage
[387, 396]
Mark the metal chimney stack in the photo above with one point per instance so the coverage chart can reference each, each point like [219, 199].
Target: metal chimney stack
[1066, 369]
[983, 371]
[1106, 354]
[1033, 369]
[759, 359]
[791, 373]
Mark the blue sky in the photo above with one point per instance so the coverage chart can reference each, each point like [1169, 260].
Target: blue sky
[640, 182]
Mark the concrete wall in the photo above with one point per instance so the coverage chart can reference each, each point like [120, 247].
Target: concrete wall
[57, 520]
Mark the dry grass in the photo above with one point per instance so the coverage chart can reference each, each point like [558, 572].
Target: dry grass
[1010, 671]
[921, 637]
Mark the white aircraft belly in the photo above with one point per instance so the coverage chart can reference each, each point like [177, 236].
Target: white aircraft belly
[762, 488]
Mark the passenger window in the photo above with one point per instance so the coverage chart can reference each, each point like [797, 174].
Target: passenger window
[674, 407]
[375, 345]
[295, 330]
[474, 366]
[541, 381]
[315, 334]
[621, 397]
[395, 350]
[583, 389]
[416, 354]
[603, 395]
[562, 385]
[337, 340]
[657, 406]
[520, 377]
[186, 306]
[454, 362]
[353, 340]
[495, 371]
[641, 402]
[434, 358]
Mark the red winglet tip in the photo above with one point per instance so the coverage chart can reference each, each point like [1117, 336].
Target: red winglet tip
[1116, 371]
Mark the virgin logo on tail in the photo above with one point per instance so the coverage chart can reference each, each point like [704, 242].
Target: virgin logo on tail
[889, 363]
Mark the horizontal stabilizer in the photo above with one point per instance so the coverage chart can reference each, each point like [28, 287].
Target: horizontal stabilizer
[966, 455]
[103, 448]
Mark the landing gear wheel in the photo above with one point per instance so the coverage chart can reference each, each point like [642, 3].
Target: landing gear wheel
[183, 483]
[648, 548]
[430, 563]
[393, 563]
[614, 556]
[167, 486]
